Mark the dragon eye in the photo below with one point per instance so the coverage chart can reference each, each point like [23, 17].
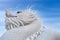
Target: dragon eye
[19, 11]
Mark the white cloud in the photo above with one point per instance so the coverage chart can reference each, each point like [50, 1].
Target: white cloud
[2, 30]
[53, 23]
[2, 16]
[55, 26]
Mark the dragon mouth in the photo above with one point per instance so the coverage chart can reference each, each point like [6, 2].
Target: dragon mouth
[11, 26]
[13, 23]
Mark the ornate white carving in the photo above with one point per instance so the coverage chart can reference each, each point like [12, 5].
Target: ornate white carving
[22, 18]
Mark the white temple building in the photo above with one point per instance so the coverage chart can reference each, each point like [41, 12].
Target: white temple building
[25, 25]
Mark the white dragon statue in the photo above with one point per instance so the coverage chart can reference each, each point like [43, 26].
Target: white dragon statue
[25, 25]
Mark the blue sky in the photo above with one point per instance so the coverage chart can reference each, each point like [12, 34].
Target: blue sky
[49, 11]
